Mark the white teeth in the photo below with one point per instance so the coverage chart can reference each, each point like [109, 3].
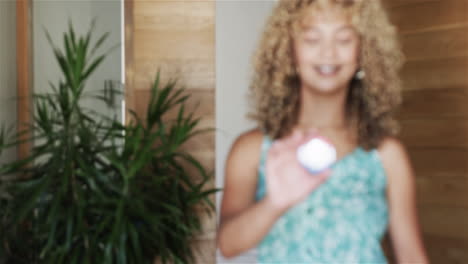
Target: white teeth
[327, 69]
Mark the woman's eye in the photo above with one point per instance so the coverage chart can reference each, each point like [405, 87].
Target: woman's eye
[345, 41]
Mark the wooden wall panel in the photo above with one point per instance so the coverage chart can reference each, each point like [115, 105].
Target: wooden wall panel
[443, 43]
[437, 133]
[24, 72]
[435, 74]
[197, 72]
[434, 118]
[178, 38]
[439, 162]
[451, 191]
[434, 104]
[430, 15]
[452, 251]
[434, 221]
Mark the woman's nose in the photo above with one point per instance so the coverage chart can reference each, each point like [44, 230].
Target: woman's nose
[328, 50]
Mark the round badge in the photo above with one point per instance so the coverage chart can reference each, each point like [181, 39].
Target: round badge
[316, 155]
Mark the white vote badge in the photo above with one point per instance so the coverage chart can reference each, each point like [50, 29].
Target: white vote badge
[316, 155]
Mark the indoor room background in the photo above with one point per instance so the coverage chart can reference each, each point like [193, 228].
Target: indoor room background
[208, 44]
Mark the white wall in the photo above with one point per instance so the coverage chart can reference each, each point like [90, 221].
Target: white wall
[54, 15]
[238, 27]
[8, 69]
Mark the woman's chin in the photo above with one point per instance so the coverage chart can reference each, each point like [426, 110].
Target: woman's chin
[326, 87]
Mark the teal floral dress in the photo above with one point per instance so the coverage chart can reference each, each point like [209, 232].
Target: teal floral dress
[341, 222]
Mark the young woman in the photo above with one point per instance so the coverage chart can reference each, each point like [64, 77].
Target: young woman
[328, 68]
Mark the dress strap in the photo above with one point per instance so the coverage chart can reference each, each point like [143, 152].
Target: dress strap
[261, 184]
[266, 144]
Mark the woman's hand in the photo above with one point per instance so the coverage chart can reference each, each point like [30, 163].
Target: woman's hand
[287, 181]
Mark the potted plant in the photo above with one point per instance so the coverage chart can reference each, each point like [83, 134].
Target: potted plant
[94, 190]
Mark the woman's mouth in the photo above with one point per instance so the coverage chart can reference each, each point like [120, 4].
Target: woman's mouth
[327, 70]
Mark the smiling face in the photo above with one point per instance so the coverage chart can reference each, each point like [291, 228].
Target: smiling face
[326, 50]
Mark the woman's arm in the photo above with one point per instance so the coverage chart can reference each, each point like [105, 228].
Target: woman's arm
[243, 222]
[401, 194]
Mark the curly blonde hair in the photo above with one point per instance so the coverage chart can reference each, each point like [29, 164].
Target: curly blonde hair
[371, 102]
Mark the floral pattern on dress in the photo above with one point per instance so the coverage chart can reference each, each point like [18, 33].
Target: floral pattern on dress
[341, 222]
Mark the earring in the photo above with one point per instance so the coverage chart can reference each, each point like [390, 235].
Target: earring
[360, 74]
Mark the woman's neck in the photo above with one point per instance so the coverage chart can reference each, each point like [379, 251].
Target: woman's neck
[326, 113]
[322, 110]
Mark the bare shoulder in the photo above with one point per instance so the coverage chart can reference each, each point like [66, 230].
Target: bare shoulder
[244, 157]
[249, 144]
[241, 173]
[395, 158]
[391, 149]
